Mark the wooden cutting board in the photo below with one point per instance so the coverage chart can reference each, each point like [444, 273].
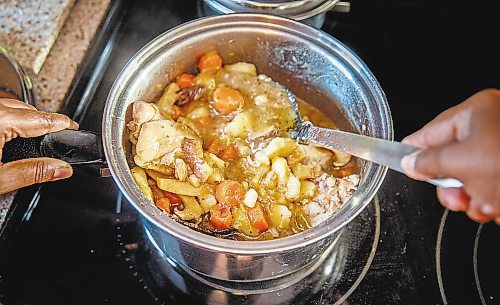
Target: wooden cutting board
[29, 28]
[58, 72]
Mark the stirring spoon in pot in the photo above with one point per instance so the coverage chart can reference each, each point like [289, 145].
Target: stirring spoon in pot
[384, 152]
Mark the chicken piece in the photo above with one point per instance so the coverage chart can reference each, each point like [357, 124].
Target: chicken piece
[159, 168]
[142, 112]
[193, 153]
[189, 125]
[260, 139]
[347, 186]
[332, 194]
[317, 155]
[160, 140]
[341, 158]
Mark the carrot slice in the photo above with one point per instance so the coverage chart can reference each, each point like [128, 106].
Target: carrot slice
[164, 204]
[210, 61]
[230, 153]
[229, 193]
[174, 199]
[185, 80]
[160, 200]
[257, 217]
[221, 217]
[157, 192]
[204, 121]
[227, 100]
[216, 147]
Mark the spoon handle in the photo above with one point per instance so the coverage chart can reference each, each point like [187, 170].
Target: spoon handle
[384, 152]
[77, 147]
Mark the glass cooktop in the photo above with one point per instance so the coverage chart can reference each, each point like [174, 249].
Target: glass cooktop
[78, 241]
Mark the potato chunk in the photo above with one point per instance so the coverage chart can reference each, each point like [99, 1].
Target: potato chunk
[317, 155]
[240, 126]
[302, 171]
[307, 189]
[141, 179]
[292, 188]
[242, 67]
[280, 167]
[207, 202]
[242, 223]
[178, 187]
[280, 147]
[280, 215]
[250, 198]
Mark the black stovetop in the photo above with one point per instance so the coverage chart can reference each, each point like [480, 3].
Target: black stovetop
[78, 242]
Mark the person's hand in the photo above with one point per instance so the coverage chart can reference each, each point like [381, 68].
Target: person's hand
[18, 119]
[463, 143]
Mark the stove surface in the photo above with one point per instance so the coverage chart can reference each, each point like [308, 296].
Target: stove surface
[78, 241]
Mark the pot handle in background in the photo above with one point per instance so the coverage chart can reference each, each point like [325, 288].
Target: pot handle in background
[341, 7]
[77, 147]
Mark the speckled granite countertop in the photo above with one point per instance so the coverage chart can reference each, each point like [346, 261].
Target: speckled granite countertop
[57, 74]
[5, 203]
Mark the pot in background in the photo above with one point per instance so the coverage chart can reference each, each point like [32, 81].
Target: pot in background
[310, 12]
[14, 82]
[314, 66]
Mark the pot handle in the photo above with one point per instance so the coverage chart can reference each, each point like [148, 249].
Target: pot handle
[77, 147]
[341, 7]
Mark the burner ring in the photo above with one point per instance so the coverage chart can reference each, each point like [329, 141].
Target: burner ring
[461, 237]
[438, 256]
[476, 273]
[327, 280]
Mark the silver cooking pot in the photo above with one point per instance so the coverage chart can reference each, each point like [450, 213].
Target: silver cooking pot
[314, 66]
[310, 12]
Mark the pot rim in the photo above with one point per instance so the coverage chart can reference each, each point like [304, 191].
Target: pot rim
[294, 9]
[119, 168]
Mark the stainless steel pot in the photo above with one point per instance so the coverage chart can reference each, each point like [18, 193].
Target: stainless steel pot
[14, 82]
[315, 66]
[310, 12]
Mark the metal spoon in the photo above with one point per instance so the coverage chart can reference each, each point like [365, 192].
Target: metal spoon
[383, 152]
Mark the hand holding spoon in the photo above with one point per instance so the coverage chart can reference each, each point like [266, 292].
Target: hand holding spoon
[383, 152]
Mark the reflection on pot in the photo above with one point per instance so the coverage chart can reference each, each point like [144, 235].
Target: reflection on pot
[334, 275]
[225, 266]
